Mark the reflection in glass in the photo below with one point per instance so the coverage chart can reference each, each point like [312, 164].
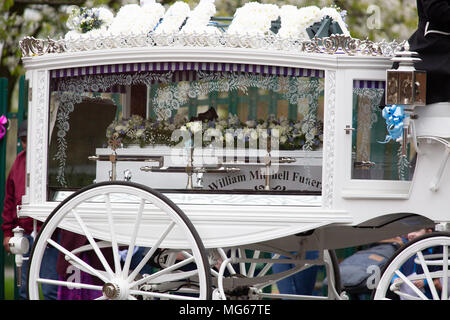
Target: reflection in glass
[200, 116]
[371, 157]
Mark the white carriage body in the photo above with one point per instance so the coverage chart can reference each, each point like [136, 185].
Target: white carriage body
[348, 211]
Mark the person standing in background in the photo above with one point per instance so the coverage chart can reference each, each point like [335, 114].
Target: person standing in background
[14, 190]
[431, 41]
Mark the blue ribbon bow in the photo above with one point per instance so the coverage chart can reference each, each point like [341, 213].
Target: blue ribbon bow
[394, 115]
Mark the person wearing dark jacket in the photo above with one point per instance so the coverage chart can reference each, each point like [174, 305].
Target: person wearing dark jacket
[431, 41]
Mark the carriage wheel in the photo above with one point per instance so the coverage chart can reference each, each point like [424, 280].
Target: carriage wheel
[428, 253]
[246, 273]
[126, 241]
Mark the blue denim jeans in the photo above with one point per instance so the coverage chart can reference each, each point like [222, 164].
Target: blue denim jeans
[48, 271]
[302, 282]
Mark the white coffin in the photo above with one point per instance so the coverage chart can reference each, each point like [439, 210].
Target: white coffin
[305, 174]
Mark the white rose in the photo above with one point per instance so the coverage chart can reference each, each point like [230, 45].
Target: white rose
[250, 123]
[120, 127]
[105, 15]
[195, 126]
[139, 132]
[132, 18]
[72, 35]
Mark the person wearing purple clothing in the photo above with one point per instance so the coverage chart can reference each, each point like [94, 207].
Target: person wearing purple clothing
[14, 190]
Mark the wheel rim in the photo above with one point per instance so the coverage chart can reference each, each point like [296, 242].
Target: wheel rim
[124, 219]
[430, 252]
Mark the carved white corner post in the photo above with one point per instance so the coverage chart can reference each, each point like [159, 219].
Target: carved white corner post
[329, 138]
[38, 140]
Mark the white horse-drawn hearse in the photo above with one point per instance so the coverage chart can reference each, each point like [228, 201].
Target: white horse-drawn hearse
[175, 155]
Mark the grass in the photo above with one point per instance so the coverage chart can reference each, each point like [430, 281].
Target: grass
[9, 276]
[9, 288]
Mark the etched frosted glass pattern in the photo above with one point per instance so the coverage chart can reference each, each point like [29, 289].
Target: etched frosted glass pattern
[372, 158]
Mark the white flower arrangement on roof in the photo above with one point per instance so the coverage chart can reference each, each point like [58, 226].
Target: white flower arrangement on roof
[337, 16]
[292, 24]
[254, 19]
[173, 18]
[88, 21]
[295, 21]
[133, 18]
[199, 18]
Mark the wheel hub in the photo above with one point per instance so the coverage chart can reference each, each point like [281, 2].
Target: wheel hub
[110, 290]
[116, 290]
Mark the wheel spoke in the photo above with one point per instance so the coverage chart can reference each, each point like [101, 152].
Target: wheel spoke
[173, 277]
[444, 293]
[428, 276]
[69, 284]
[130, 252]
[188, 255]
[150, 252]
[267, 267]
[224, 257]
[411, 285]
[163, 271]
[241, 254]
[251, 270]
[87, 267]
[281, 275]
[93, 243]
[115, 247]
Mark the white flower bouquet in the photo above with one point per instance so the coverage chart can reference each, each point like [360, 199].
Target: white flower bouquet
[133, 18]
[295, 21]
[337, 15]
[254, 18]
[87, 21]
[173, 18]
[198, 19]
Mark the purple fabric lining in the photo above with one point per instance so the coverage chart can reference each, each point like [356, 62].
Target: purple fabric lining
[184, 66]
[369, 84]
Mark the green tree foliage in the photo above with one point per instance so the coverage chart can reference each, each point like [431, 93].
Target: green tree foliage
[373, 19]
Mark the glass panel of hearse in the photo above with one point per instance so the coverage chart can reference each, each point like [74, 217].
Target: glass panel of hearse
[376, 153]
[208, 131]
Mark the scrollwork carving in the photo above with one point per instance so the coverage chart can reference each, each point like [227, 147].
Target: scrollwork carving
[31, 46]
[328, 45]
[329, 141]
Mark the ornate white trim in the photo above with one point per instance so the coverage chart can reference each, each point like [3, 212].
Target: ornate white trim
[329, 139]
[330, 45]
[39, 136]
